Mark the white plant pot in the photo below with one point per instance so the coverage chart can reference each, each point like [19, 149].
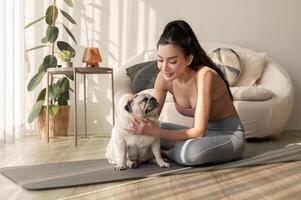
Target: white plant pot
[66, 64]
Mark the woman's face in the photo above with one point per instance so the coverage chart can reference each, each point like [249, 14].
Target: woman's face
[171, 61]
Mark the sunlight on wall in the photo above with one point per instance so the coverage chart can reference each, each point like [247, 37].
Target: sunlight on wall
[152, 27]
[114, 34]
[91, 28]
[120, 29]
[124, 34]
[141, 26]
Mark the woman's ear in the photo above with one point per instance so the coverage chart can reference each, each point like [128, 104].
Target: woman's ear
[189, 59]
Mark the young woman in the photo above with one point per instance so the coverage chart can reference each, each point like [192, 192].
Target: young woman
[200, 91]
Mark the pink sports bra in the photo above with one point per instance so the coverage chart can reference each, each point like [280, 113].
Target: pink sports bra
[218, 106]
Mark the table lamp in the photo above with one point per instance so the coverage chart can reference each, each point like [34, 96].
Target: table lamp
[92, 57]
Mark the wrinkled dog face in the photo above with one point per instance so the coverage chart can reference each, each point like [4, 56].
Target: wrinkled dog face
[144, 105]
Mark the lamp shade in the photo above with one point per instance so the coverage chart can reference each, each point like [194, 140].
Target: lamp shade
[92, 57]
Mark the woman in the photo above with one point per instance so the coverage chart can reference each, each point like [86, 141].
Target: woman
[200, 91]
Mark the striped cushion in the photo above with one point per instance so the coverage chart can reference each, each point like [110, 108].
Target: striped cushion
[229, 62]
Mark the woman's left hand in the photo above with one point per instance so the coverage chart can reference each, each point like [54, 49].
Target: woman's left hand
[143, 126]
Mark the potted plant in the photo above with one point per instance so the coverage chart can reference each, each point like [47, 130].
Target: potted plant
[60, 86]
[66, 57]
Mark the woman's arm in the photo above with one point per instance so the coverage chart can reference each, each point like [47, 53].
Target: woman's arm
[160, 90]
[203, 105]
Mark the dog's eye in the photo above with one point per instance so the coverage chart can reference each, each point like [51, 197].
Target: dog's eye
[145, 99]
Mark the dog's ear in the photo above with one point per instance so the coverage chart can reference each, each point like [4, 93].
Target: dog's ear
[128, 106]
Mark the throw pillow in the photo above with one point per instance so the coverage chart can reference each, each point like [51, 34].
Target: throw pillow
[251, 93]
[253, 65]
[229, 62]
[142, 75]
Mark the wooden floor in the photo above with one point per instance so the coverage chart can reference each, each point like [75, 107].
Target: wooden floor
[277, 181]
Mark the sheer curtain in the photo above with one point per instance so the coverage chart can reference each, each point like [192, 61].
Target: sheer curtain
[12, 78]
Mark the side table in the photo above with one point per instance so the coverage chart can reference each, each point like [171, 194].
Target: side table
[74, 71]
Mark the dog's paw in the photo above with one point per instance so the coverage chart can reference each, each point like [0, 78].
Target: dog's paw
[131, 164]
[163, 164]
[152, 161]
[120, 167]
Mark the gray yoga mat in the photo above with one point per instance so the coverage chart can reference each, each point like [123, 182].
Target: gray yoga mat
[85, 172]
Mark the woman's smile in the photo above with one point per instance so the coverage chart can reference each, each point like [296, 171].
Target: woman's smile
[168, 74]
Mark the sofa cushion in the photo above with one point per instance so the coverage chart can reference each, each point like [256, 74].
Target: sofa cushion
[229, 62]
[251, 93]
[142, 75]
[253, 65]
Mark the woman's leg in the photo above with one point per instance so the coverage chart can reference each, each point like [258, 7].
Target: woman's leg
[209, 149]
[166, 143]
[223, 141]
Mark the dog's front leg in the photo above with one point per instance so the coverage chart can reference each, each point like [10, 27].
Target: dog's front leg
[157, 154]
[121, 155]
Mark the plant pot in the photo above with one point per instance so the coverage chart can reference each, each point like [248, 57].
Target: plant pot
[67, 64]
[58, 125]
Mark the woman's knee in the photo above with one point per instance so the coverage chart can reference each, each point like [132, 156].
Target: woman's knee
[186, 153]
[197, 152]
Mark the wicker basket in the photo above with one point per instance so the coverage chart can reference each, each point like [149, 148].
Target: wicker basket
[58, 125]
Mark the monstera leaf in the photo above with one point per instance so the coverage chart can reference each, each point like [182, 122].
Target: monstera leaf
[37, 107]
[50, 61]
[64, 46]
[35, 21]
[68, 17]
[54, 91]
[34, 82]
[69, 2]
[51, 14]
[52, 33]
[71, 35]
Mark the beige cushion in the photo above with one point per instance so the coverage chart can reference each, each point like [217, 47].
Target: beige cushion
[228, 61]
[253, 65]
[251, 93]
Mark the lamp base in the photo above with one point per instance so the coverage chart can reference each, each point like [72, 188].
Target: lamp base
[92, 65]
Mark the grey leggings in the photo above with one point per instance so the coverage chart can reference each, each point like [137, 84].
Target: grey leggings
[223, 141]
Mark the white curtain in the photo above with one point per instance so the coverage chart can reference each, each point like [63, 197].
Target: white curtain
[12, 78]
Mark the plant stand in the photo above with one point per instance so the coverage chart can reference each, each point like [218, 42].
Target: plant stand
[74, 71]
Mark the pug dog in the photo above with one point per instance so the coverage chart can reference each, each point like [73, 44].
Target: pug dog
[127, 150]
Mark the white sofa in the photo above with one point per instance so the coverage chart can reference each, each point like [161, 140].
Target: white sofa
[260, 118]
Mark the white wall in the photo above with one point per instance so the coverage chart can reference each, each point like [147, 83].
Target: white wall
[121, 29]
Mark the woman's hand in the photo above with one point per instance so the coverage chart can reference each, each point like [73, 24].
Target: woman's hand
[143, 126]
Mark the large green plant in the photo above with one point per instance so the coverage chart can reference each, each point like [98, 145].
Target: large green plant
[60, 87]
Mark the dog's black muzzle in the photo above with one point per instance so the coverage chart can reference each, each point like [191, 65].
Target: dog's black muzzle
[152, 104]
